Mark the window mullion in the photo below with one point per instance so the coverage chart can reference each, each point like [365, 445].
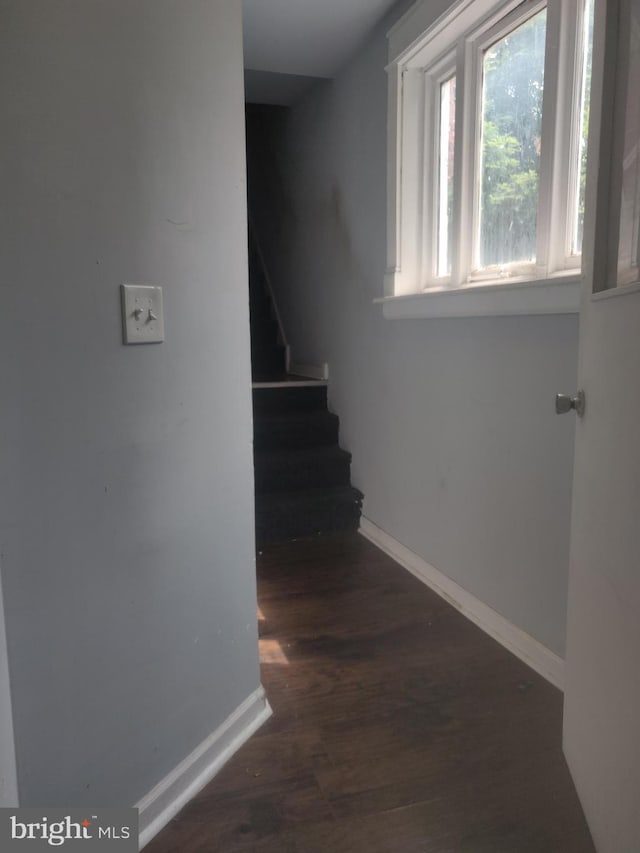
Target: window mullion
[464, 158]
[430, 147]
[438, 218]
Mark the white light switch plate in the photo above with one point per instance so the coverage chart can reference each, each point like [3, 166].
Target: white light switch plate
[142, 314]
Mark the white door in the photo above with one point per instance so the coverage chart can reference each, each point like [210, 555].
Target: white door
[602, 699]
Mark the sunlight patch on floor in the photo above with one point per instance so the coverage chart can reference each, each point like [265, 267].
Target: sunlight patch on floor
[271, 652]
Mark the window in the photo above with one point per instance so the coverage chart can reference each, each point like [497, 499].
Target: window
[446, 148]
[511, 129]
[489, 116]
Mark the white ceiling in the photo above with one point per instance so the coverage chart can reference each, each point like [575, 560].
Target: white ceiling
[305, 38]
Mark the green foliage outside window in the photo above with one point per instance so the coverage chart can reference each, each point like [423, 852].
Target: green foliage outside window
[511, 129]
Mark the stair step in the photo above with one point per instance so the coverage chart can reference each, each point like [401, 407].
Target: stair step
[263, 376]
[273, 400]
[267, 360]
[264, 332]
[285, 470]
[266, 349]
[302, 476]
[295, 430]
[281, 516]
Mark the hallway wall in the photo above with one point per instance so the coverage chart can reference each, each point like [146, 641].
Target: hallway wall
[450, 421]
[126, 479]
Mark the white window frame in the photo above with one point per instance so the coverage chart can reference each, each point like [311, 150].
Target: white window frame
[455, 44]
[439, 73]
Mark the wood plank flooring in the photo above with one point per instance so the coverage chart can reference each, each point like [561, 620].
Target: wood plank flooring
[398, 727]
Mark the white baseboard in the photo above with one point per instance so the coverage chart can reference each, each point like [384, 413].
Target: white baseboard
[545, 662]
[190, 776]
[312, 371]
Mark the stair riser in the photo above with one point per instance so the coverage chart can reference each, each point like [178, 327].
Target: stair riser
[274, 400]
[274, 526]
[293, 436]
[264, 333]
[265, 352]
[273, 476]
[268, 362]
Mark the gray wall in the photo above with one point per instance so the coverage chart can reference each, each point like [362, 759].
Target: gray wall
[126, 508]
[450, 422]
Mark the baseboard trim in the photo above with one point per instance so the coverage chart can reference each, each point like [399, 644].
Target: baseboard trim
[545, 662]
[311, 371]
[173, 792]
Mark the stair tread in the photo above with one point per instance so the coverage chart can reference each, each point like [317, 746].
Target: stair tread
[267, 361]
[295, 429]
[293, 416]
[301, 454]
[285, 396]
[286, 469]
[282, 516]
[260, 341]
[295, 381]
[322, 494]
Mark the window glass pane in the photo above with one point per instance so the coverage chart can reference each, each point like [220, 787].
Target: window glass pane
[629, 238]
[513, 78]
[580, 167]
[445, 174]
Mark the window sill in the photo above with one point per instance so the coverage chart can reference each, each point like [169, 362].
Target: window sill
[557, 295]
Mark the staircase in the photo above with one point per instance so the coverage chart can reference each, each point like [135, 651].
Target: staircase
[302, 476]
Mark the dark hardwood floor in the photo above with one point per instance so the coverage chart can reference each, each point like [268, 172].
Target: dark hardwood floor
[398, 726]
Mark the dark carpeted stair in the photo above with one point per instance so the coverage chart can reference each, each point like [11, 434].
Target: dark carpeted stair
[302, 476]
[270, 360]
[308, 398]
[281, 516]
[314, 467]
[295, 430]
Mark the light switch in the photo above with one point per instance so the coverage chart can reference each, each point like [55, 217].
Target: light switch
[142, 314]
